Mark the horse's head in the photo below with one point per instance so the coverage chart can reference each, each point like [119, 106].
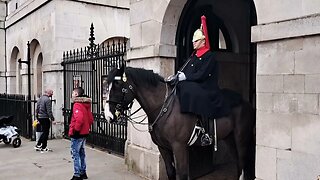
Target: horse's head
[120, 94]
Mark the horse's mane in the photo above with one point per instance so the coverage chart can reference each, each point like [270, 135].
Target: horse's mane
[141, 77]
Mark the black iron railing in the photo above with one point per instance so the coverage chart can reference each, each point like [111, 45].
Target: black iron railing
[88, 68]
[16, 105]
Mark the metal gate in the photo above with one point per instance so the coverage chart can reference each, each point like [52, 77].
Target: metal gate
[88, 68]
[16, 105]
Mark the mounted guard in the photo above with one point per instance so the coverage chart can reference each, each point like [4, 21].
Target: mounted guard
[172, 120]
[197, 87]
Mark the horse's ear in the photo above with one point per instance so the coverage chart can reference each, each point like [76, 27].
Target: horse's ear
[121, 70]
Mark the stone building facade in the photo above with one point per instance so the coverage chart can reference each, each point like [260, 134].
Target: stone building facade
[3, 11]
[52, 27]
[276, 45]
[286, 36]
[288, 80]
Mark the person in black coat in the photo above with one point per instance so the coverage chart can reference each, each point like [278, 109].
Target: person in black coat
[198, 88]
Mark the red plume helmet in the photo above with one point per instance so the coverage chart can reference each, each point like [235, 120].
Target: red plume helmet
[205, 31]
[202, 33]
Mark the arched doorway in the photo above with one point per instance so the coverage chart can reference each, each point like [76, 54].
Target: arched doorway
[229, 28]
[39, 76]
[14, 77]
[36, 67]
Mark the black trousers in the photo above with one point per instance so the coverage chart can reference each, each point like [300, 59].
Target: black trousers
[45, 124]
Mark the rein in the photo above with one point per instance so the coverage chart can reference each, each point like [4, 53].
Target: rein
[168, 100]
[164, 109]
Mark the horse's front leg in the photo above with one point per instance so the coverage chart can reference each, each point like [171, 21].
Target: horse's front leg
[180, 152]
[167, 156]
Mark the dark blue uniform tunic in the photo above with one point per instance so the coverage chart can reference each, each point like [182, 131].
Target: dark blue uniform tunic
[200, 93]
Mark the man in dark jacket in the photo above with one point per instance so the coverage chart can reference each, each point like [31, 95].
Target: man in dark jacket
[44, 114]
[81, 121]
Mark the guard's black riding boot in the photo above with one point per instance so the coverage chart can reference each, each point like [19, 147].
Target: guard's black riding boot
[206, 139]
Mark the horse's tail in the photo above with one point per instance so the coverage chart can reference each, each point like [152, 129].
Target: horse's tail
[249, 166]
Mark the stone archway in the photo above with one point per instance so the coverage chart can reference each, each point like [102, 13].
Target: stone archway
[38, 75]
[230, 39]
[229, 33]
[14, 78]
[36, 67]
[229, 26]
[154, 44]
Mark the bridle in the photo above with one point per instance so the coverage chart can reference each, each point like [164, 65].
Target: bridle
[125, 105]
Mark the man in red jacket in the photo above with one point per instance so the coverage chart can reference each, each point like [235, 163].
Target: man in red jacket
[81, 121]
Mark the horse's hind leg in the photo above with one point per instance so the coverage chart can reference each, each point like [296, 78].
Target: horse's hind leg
[243, 134]
[245, 157]
[167, 156]
[241, 150]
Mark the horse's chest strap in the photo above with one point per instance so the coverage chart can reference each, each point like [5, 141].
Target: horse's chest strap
[164, 109]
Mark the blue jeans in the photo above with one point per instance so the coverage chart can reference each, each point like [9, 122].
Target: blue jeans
[78, 156]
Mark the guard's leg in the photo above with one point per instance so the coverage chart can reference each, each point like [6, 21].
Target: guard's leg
[206, 138]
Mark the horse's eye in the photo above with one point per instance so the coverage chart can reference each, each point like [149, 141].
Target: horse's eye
[117, 83]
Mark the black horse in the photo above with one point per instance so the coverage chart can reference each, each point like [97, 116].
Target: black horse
[170, 130]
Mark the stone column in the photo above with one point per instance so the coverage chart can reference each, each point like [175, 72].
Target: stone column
[153, 27]
[3, 9]
[288, 89]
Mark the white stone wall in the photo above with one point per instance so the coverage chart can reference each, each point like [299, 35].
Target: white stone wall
[14, 6]
[153, 26]
[58, 26]
[276, 11]
[142, 155]
[288, 90]
[72, 24]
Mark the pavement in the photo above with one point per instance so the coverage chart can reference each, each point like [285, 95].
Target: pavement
[24, 163]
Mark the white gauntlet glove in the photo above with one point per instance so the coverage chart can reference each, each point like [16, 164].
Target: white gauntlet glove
[181, 76]
[170, 78]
